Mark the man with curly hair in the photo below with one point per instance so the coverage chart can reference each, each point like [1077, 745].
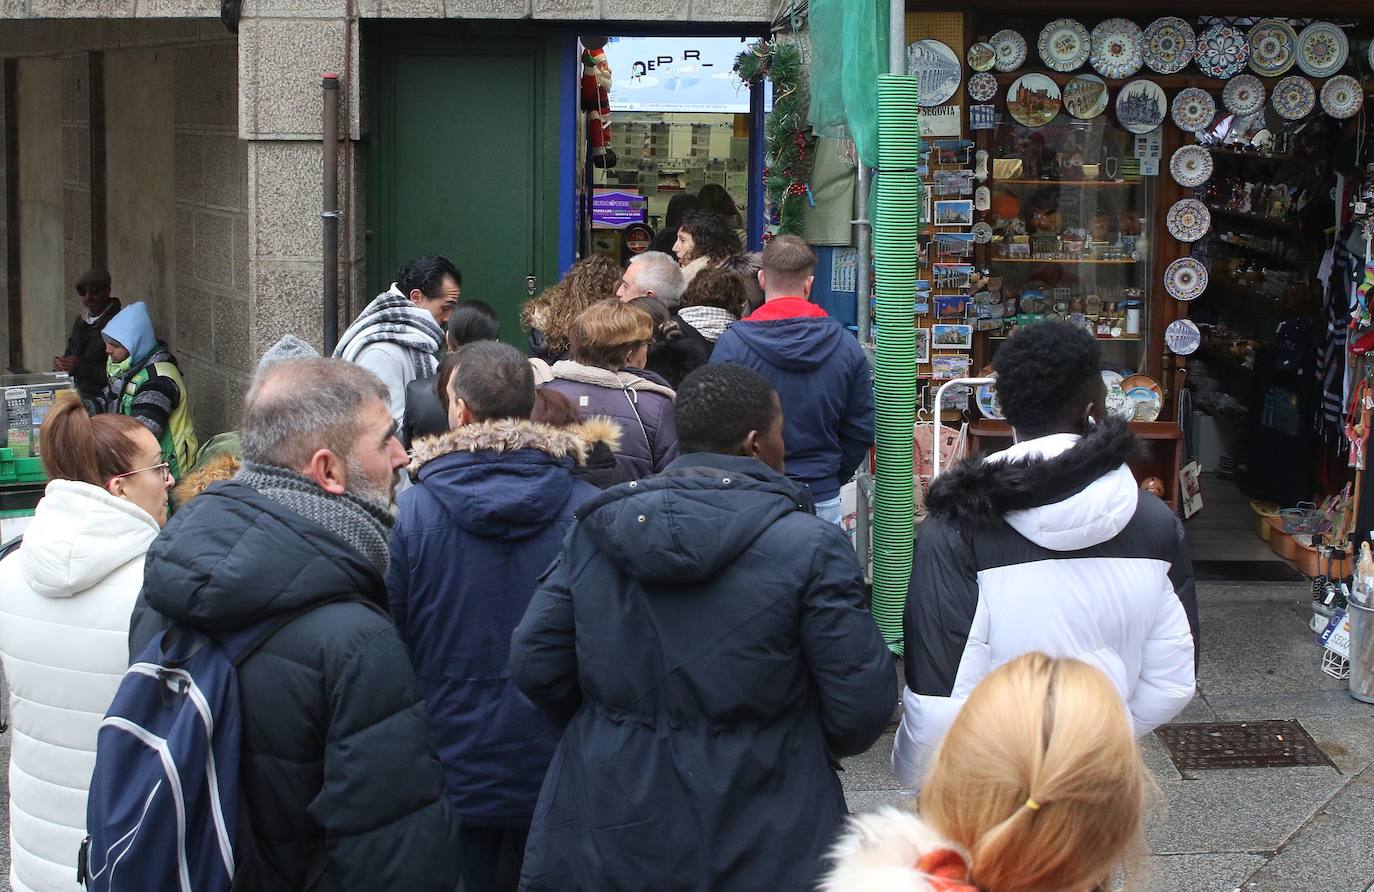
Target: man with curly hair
[1049, 546]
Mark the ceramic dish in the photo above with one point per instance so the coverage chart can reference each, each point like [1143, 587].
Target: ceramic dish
[982, 56]
[1147, 403]
[1111, 379]
[1120, 406]
[982, 86]
[936, 68]
[1064, 45]
[982, 233]
[1086, 96]
[1185, 279]
[1244, 95]
[1188, 220]
[1117, 48]
[1194, 109]
[1222, 51]
[1033, 100]
[986, 396]
[1322, 49]
[1010, 48]
[1191, 166]
[1169, 45]
[1294, 97]
[1141, 106]
[1342, 97]
[1182, 337]
[1143, 382]
[1273, 47]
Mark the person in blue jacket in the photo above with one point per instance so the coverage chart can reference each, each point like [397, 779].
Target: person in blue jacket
[818, 369]
[495, 498]
[705, 639]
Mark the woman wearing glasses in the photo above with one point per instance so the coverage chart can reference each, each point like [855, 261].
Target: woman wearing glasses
[65, 600]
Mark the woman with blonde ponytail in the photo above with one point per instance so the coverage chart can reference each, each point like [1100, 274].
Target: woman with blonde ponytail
[1038, 785]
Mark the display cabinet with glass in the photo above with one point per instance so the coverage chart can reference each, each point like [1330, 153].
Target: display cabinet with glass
[1071, 217]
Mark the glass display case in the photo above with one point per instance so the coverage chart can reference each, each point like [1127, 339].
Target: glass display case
[1072, 219]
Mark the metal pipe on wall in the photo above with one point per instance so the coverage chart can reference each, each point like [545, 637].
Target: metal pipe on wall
[329, 84]
[896, 37]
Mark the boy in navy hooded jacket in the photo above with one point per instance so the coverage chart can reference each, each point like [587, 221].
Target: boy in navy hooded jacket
[820, 372]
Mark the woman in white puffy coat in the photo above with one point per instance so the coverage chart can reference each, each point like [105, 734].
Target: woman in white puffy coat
[65, 600]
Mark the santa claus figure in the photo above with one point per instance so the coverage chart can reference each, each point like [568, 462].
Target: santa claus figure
[596, 100]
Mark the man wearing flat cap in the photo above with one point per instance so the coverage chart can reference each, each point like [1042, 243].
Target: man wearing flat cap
[84, 359]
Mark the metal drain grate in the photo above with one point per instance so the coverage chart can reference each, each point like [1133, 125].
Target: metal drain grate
[1270, 744]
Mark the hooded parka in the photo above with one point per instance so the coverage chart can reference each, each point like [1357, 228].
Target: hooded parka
[703, 634]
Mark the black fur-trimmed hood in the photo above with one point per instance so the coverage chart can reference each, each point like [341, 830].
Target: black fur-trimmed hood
[1064, 492]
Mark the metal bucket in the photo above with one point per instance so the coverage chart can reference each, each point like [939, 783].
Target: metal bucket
[1361, 652]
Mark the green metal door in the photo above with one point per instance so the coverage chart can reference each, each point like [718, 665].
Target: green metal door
[466, 164]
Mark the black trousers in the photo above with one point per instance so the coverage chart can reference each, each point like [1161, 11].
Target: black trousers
[490, 858]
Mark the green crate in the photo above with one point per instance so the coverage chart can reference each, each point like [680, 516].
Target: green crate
[20, 470]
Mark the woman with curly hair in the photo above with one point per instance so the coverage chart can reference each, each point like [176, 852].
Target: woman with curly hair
[549, 317]
[705, 239]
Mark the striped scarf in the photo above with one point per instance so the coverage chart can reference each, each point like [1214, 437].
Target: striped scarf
[392, 319]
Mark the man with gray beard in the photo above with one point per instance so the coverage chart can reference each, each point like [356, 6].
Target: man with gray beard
[338, 780]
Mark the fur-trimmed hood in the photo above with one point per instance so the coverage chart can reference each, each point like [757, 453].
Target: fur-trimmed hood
[598, 429]
[1063, 492]
[893, 850]
[212, 470]
[505, 435]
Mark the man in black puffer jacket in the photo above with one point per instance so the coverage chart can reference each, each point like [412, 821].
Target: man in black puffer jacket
[339, 775]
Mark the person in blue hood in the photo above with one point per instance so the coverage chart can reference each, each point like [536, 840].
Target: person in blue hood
[495, 498]
[819, 371]
[144, 382]
[704, 638]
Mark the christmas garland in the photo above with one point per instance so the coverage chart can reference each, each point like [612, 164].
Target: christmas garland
[789, 154]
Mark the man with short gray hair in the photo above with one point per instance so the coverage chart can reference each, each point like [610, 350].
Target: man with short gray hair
[339, 777]
[653, 274]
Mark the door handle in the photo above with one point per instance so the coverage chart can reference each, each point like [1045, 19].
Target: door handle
[531, 284]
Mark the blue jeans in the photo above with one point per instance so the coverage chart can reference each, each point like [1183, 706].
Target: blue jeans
[829, 510]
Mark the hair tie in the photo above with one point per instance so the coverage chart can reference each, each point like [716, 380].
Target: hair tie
[1032, 805]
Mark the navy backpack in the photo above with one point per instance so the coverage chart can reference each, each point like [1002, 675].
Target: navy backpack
[163, 811]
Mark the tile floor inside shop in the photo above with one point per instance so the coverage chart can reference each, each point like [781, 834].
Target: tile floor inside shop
[1265, 829]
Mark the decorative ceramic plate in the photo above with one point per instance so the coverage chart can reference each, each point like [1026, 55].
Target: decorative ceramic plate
[1194, 109]
[1033, 100]
[1185, 279]
[1144, 382]
[937, 69]
[1342, 96]
[982, 56]
[1222, 51]
[1191, 166]
[1188, 220]
[1294, 97]
[1119, 406]
[1010, 48]
[1111, 379]
[1141, 106]
[1273, 47]
[1182, 336]
[1371, 54]
[1146, 403]
[1086, 96]
[1322, 49]
[1169, 45]
[1064, 45]
[986, 395]
[1244, 95]
[982, 233]
[1116, 48]
[982, 86]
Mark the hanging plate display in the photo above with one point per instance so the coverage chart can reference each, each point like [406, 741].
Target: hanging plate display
[1145, 402]
[1085, 97]
[982, 56]
[1342, 96]
[1294, 97]
[1116, 48]
[1243, 95]
[1141, 106]
[1169, 45]
[1189, 220]
[987, 401]
[1194, 109]
[1033, 100]
[937, 69]
[1064, 45]
[1182, 336]
[982, 233]
[1191, 166]
[1322, 49]
[982, 86]
[1273, 47]
[1185, 279]
[1222, 51]
[1010, 48]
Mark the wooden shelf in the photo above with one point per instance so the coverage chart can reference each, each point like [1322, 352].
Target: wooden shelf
[1289, 225]
[1084, 183]
[1145, 430]
[1103, 338]
[1074, 262]
[1256, 156]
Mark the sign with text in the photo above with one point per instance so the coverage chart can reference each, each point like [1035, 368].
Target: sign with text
[617, 208]
[677, 74]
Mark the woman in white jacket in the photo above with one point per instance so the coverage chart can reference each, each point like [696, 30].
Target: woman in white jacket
[65, 600]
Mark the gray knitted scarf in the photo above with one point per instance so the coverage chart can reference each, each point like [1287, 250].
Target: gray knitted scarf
[365, 527]
[392, 319]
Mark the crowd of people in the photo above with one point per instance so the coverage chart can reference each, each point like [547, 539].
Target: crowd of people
[584, 616]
